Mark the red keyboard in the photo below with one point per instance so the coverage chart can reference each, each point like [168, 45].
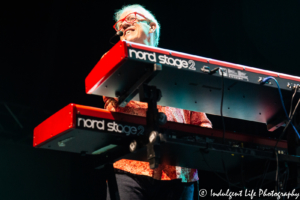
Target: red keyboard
[186, 82]
[81, 128]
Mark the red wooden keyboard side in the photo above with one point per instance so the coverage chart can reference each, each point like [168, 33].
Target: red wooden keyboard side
[106, 66]
[59, 122]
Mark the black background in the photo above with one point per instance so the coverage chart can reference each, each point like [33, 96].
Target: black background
[49, 47]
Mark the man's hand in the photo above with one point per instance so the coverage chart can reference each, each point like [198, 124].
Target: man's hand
[206, 125]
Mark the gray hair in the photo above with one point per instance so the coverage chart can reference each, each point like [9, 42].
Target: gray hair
[145, 12]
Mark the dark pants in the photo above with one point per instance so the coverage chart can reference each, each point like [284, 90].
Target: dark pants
[139, 187]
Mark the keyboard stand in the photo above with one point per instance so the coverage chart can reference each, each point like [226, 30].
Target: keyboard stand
[151, 95]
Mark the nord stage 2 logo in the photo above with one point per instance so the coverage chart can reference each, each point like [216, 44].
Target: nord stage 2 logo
[162, 59]
[105, 125]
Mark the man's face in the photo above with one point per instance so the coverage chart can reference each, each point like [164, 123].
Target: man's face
[138, 32]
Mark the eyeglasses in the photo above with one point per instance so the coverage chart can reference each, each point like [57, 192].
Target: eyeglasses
[130, 18]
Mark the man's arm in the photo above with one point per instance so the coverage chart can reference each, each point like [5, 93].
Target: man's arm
[110, 103]
[132, 108]
[200, 119]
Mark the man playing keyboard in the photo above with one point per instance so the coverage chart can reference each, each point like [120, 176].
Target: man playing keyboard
[135, 179]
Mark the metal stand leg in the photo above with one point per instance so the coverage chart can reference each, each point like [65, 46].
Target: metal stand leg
[151, 95]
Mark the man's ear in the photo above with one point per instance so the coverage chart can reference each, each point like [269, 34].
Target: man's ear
[152, 27]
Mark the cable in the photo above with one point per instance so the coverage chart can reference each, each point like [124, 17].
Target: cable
[277, 169]
[267, 164]
[242, 173]
[287, 175]
[290, 116]
[221, 111]
[291, 107]
[221, 108]
[293, 114]
[286, 178]
[226, 174]
[266, 171]
[281, 98]
[219, 175]
[223, 124]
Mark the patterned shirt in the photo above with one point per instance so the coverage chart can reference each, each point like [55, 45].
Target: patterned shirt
[163, 172]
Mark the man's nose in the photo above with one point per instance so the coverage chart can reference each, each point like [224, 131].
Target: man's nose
[126, 25]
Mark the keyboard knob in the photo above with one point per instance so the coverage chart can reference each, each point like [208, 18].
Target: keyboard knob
[133, 146]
